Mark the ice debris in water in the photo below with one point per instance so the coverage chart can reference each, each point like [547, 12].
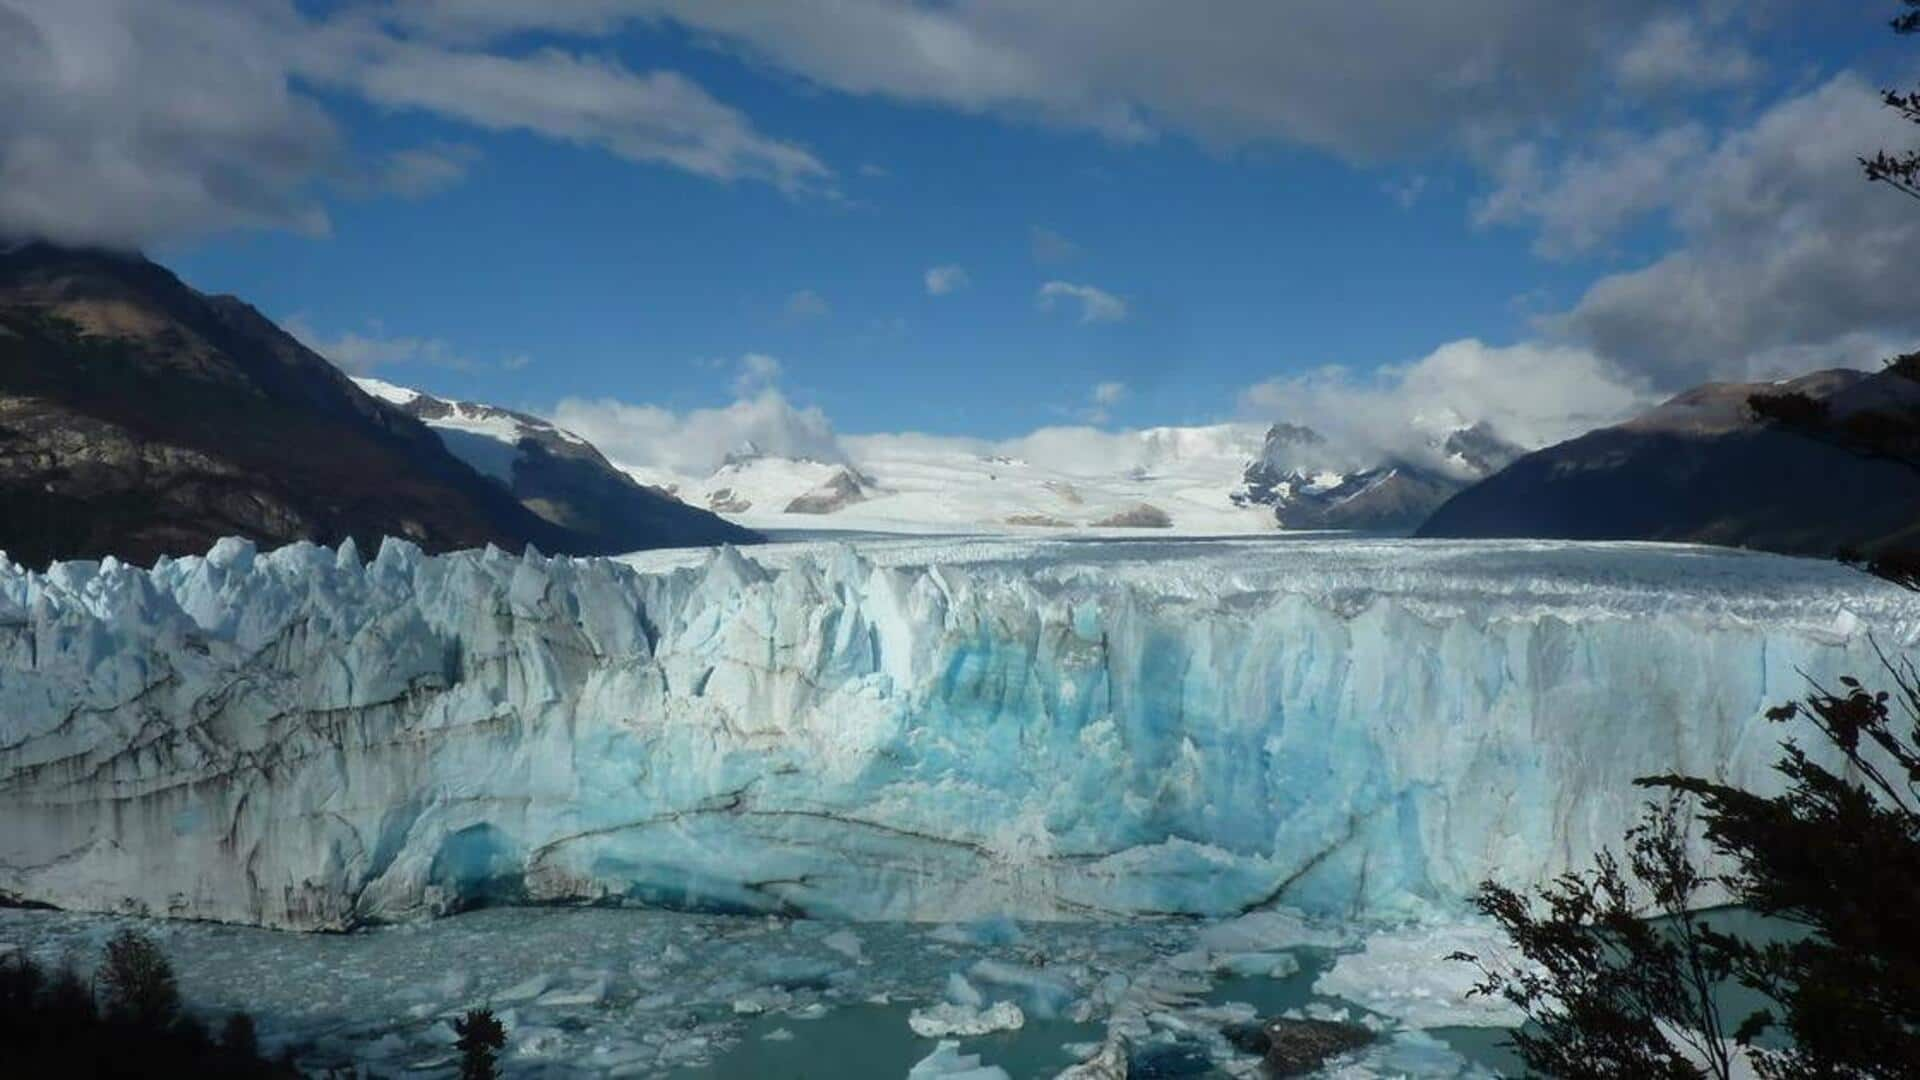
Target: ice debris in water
[605, 992]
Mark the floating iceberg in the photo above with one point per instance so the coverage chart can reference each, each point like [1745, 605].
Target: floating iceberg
[939, 730]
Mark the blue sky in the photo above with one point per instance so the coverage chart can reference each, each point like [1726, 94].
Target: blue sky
[1282, 229]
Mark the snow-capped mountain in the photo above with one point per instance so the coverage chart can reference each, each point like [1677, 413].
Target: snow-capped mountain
[1179, 479]
[1220, 478]
[1396, 495]
[559, 475]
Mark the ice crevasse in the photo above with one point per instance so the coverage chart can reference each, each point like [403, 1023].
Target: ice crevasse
[1363, 729]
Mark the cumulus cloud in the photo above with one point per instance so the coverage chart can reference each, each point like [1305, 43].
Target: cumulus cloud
[1049, 247]
[1096, 305]
[697, 442]
[1788, 259]
[656, 117]
[1675, 52]
[129, 122]
[756, 372]
[361, 353]
[422, 170]
[125, 122]
[1102, 399]
[807, 304]
[949, 278]
[1586, 197]
[1529, 394]
[1332, 74]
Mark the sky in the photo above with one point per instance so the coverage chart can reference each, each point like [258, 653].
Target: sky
[674, 222]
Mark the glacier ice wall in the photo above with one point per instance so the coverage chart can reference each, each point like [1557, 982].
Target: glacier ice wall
[301, 739]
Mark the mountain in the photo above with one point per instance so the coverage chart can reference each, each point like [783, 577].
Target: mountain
[1395, 495]
[560, 476]
[1826, 464]
[1178, 479]
[141, 418]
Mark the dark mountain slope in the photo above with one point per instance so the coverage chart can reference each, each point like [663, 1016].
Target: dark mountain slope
[139, 417]
[1706, 467]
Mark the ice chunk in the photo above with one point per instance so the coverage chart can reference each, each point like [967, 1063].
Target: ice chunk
[590, 994]
[948, 1063]
[1109, 1062]
[526, 989]
[846, 943]
[946, 1018]
[1253, 965]
[1405, 974]
[1273, 929]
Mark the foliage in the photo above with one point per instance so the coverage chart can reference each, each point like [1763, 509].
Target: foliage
[1838, 854]
[1607, 992]
[1789, 408]
[1900, 170]
[136, 982]
[481, 1037]
[50, 1025]
[238, 1038]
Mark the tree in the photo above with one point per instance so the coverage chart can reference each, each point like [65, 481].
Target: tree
[481, 1037]
[238, 1038]
[1610, 993]
[1900, 170]
[1837, 855]
[136, 982]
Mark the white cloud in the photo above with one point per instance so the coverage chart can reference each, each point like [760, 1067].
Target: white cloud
[1788, 258]
[1331, 74]
[657, 117]
[423, 170]
[1672, 52]
[1530, 394]
[695, 443]
[1586, 197]
[757, 371]
[128, 122]
[942, 280]
[1096, 305]
[1407, 190]
[361, 353]
[807, 304]
[1101, 401]
[1050, 247]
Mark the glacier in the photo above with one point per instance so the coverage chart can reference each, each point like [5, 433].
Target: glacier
[934, 729]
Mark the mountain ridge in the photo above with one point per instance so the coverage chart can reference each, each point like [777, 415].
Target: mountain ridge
[140, 417]
[1780, 466]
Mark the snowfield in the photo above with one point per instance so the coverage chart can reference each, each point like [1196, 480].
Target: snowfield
[926, 729]
[909, 486]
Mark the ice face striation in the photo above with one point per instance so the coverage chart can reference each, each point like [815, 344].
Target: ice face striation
[909, 730]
